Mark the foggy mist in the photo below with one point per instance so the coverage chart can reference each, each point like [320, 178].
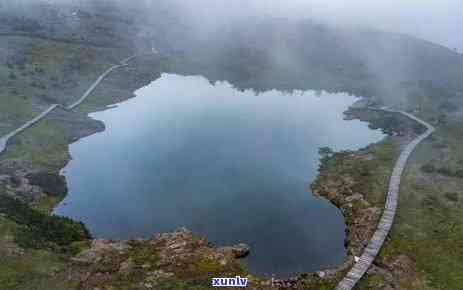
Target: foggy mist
[436, 21]
[433, 20]
[220, 119]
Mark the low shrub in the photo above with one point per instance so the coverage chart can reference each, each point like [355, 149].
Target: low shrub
[428, 168]
[38, 230]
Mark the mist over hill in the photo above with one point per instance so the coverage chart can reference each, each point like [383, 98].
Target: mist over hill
[62, 60]
[246, 44]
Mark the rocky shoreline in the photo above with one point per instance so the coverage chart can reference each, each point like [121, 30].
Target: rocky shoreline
[344, 179]
[156, 262]
[361, 215]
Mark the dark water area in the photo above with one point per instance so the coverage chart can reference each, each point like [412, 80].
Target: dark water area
[230, 165]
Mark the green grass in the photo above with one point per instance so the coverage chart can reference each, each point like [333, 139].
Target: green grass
[388, 122]
[41, 231]
[141, 254]
[371, 176]
[46, 203]
[429, 225]
[12, 119]
[45, 145]
[122, 82]
[427, 236]
[429, 222]
[53, 72]
[50, 72]
[7, 229]
[33, 269]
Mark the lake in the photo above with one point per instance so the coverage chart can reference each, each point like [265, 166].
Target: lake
[234, 166]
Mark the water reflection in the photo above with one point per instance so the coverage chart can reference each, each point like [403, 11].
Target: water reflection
[228, 164]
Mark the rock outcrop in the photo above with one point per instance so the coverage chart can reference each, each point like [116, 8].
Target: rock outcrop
[164, 259]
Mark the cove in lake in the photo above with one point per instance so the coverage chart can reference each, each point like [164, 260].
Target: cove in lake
[231, 165]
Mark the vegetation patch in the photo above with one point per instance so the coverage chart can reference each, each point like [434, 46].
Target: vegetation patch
[430, 168]
[38, 230]
[51, 183]
[429, 220]
[390, 123]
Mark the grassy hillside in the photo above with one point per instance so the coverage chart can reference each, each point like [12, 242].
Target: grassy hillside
[429, 230]
[44, 62]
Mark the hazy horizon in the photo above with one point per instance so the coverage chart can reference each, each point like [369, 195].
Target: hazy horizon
[435, 21]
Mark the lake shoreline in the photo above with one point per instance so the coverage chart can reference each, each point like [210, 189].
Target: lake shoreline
[283, 165]
[317, 277]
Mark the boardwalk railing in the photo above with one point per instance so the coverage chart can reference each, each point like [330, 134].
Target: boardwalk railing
[387, 219]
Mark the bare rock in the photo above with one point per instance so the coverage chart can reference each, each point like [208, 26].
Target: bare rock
[238, 251]
[241, 250]
[127, 266]
[98, 249]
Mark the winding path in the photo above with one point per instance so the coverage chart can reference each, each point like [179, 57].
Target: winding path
[4, 139]
[384, 225]
[387, 219]
[93, 86]
[123, 62]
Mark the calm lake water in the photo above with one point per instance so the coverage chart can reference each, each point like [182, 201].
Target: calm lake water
[231, 165]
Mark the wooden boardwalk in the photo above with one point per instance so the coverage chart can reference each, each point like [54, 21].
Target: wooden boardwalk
[94, 85]
[4, 139]
[124, 62]
[387, 219]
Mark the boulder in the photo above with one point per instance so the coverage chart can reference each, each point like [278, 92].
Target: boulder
[238, 251]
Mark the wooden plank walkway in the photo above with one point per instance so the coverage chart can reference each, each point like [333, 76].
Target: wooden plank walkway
[124, 62]
[4, 139]
[94, 85]
[387, 219]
